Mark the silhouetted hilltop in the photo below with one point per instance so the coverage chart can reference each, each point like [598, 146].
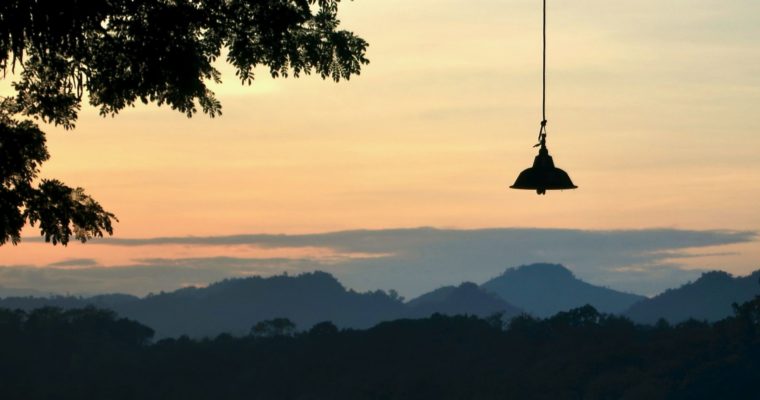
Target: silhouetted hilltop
[545, 289]
[28, 303]
[111, 300]
[466, 298]
[708, 298]
[234, 305]
[19, 292]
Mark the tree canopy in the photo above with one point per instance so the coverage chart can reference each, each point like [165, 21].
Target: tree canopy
[114, 53]
[578, 354]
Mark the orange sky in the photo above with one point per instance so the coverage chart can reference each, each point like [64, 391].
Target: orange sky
[652, 109]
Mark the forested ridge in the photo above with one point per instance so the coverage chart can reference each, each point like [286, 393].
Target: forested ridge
[234, 305]
[579, 354]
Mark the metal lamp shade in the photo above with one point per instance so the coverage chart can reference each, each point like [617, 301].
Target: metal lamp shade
[543, 175]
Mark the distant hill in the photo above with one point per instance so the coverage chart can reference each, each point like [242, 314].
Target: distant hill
[545, 289]
[17, 292]
[66, 302]
[234, 305]
[708, 298]
[466, 298]
[28, 303]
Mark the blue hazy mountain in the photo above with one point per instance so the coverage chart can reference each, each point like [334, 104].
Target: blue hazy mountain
[234, 305]
[29, 302]
[18, 292]
[545, 289]
[708, 298]
[466, 298]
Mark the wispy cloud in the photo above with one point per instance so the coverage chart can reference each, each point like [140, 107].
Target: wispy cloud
[412, 261]
[150, 275]
[75, 262]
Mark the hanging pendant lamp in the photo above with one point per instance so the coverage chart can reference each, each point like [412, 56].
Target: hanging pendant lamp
[543, 175]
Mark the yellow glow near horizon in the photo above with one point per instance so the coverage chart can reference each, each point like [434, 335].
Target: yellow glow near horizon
[651, 108]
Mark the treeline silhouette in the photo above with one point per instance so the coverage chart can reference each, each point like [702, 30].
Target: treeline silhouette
[234, 305]
[89, 353]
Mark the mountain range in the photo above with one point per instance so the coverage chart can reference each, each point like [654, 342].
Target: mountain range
[235, 305]
[708, 298]
[467, 298]
[546, 289]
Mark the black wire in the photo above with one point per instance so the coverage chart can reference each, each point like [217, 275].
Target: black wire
[543, 99]
[542, 131]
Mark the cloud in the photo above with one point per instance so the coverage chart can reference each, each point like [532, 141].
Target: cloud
[387, 240]
[410, 260]
[75, 262]
[153, 275]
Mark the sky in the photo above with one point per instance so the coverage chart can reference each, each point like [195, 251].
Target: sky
[652, 109]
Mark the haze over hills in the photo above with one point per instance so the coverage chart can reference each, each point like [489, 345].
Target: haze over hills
[235, 305]
[466, 298]
[109, 301]
[708, 298]
[18, 292]
[545, 289]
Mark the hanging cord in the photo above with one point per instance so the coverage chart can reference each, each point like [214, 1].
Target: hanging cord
[542, 131]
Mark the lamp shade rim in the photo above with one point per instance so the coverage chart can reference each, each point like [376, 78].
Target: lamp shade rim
[543, 179]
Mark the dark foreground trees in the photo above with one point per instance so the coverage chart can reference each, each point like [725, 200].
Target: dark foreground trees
[119, 52]
[580, 354]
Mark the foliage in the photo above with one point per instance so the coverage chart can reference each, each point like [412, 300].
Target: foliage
[123, 51]
[273, 328]
[60, 211]
[49, 353]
